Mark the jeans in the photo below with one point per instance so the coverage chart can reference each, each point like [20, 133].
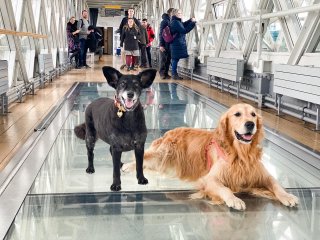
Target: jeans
[149, 55]
[83, 52]
[143, 57]
[165, 59]
[174, 65]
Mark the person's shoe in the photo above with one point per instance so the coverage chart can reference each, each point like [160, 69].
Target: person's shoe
[87, 66]
[168, 76]
[123, 66]
[77, 67]
[176, 77]
[163, 76]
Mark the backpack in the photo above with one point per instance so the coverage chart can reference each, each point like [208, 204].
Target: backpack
[93, 40]
[167, 36]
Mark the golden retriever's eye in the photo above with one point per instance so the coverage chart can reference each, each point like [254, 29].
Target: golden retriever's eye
[253, 114]
[237, 114]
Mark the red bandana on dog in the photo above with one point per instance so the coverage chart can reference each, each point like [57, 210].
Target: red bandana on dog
[121, 109]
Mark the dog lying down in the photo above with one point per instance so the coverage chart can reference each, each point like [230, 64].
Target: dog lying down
[119, 122]
[220, 162]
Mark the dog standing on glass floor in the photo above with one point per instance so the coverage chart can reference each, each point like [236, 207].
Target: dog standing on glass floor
[120, 122]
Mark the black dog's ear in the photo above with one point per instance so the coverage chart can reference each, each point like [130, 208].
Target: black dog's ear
[147, 76]
[112, 75]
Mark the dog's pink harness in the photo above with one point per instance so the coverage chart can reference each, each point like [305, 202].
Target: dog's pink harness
[220, 152]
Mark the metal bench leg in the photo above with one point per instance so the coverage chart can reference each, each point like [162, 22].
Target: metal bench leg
[318, 118]
[4, 104]
[209, 80]
[278, 99]
[238, 89]
[221, 84]
[191, 74]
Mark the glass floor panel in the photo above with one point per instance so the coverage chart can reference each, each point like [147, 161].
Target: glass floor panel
[67, 203]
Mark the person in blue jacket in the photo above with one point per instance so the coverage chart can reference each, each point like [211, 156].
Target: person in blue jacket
[178, 46]
[165, 54]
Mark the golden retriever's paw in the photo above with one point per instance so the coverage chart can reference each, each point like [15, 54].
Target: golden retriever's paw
[197, 195]
[128, 167]
[289, 200]
[236, 203]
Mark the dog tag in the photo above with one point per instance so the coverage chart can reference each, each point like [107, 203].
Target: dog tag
[134, 37]
[119, 113]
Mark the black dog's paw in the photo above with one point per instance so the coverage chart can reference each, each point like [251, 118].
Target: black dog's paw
[143, 181]
[115, 187]
[90, 170]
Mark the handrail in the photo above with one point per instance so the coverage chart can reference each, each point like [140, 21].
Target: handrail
[311, 8]
[29, 34]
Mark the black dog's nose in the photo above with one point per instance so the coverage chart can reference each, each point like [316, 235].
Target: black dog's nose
[249, 125]
[130, 94]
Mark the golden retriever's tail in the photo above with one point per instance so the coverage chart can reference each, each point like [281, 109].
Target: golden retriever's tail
[151, 152]
[80, 131]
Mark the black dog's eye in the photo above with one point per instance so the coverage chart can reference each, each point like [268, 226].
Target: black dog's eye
[237, 114]
[253, 114]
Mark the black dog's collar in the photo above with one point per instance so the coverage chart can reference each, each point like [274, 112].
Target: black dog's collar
[118, 105]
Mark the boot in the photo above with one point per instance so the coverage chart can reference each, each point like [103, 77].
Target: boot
[176, 77]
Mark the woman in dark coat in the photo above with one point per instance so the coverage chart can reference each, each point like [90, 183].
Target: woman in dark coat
[73, 40]
[179, 45]
[130, 37]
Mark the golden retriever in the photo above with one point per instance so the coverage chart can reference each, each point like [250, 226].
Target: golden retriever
[221, 162]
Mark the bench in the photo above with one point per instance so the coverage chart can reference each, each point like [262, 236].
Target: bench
[225, 69]
[186, 65]
[64, 63]
[299, 82]
[4, 86]
[46, 68]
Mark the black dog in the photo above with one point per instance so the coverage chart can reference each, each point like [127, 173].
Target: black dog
[119, 122]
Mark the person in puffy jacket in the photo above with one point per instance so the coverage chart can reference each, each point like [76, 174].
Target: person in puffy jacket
[178, 46]
[151, 37]
[165, 54]
[130, 41]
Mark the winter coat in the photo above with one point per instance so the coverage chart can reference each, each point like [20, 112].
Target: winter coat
[144, 40]
[73, 40]
[130, 38]
[151, 35]
[178, 46]
[165, 22]
[124, 22]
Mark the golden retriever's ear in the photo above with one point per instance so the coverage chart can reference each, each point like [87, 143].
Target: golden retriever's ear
[222, 127]
[260, 131]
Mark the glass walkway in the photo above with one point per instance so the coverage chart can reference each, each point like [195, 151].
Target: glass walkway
[52, 197]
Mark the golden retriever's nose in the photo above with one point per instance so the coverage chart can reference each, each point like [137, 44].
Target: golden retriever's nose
[249, 125]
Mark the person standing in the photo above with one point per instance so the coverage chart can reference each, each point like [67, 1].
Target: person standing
[124, 22]
[144, 40]
[83, 25]
[129, 41]
[165, 54]
[178, 46]
[151, 36]
[73, 40]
